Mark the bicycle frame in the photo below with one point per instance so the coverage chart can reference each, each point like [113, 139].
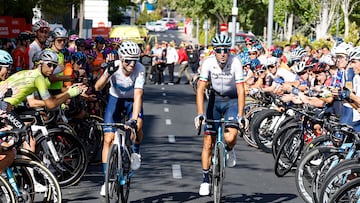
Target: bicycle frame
[120, 142]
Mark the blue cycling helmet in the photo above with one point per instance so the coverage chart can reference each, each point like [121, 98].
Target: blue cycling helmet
[254, 63]
[221, 41]
[5, 58]
[79, 57]
[246, 61]
[99, 40]
[277, 53]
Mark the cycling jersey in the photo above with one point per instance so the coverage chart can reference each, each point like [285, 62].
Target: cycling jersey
[123, 86]
[24, 83]
[34, 47]
[223, 80]
[59, 72]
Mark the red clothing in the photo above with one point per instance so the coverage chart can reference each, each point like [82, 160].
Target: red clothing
[182, 55]
[18, 55]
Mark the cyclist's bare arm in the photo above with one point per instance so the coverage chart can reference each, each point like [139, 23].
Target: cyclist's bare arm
[200, 97]
[101, 82]
[138, 100]
[241, 98]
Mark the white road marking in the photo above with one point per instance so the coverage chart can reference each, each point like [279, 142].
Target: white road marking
[176, 169]
[168, 121]
[164, 94]
[163, 88]
[165, 102]
[166, 109]
[171, 138]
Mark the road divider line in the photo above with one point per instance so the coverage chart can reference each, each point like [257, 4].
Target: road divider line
[171, 138]
[166, 109]
[168, 121]
[164, 94]
[176, 170]
[165, 101]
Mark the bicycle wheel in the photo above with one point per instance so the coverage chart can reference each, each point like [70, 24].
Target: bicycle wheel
[43, 176]
[307, 169]
[281, 134]
[6, 193]
[25, 184]
[263, 128]
[218, 172]
[94, 136]
[289, 152]
[127, 174]
[73, 157]
[348, 193]
[339, 176]
[112, 184]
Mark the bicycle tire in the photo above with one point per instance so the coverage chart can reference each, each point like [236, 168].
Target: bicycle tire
[346, 193]
[25, 184]
[306, 170]
[218, 173]
[325, 166]
[6, 193]
[289, 153]
[263, 136]
[112, 185]
[73, 157]
[127, 174]
[333, 182]
[251, 115]
[280, 136]
[53, 194]
[95, 136]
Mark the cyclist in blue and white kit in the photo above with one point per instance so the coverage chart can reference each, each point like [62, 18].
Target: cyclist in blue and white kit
[126, 91]
[227, 99]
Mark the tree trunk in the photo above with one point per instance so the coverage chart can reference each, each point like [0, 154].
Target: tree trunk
[289, 28]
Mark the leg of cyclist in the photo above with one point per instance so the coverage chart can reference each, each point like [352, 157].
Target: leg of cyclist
[113, 108]
[231, 131]
[208, 144]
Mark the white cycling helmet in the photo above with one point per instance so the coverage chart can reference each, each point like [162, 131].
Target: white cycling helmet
[272, 61]
[129, 50]
[59, 32]
[5, 58]
[355, 54]
[342, 49]
[327, 59]
[253, 49]
[49, 55]
[40, 24]
[297, 53]
[300, 67]
[221, 41]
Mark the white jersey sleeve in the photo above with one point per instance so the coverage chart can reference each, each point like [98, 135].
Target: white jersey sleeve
[123, 86]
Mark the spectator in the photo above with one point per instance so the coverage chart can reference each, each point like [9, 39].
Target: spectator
[146, 59]
[171, 58]
[183, 64]
[193, 58]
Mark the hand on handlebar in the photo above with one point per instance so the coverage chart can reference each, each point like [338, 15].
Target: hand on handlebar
[199, 120]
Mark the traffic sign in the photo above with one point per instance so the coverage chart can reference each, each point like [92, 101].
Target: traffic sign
[223, 27]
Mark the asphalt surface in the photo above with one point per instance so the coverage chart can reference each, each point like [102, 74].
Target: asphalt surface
[171, 168]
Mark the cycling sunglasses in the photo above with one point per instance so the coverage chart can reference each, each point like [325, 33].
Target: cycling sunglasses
[129, 61]
[220, 50]
[51, 65]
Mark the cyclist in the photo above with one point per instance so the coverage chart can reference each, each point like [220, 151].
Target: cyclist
[126, 90]
[41, 29]
[227, 98]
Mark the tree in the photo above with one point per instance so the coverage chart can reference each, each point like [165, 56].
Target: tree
[347, 7]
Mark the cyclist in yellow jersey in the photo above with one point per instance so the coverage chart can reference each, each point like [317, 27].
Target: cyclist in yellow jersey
[59, 38]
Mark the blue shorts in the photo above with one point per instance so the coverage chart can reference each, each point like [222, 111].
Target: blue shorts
[217, 109]
[114, 111]
[347, 118]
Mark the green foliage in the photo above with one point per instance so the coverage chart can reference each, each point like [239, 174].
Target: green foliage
[317, 44]
[353, 34]
[301, 38]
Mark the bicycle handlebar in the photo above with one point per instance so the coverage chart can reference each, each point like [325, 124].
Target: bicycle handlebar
[122, 126]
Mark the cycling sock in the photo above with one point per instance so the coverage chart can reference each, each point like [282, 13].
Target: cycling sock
[136, 148]
[104, 168]
[205, 175]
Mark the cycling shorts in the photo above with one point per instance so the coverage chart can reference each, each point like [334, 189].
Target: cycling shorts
[114, 111]
[218, 108]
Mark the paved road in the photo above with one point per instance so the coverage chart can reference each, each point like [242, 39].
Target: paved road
[171, 168]
[170, 143]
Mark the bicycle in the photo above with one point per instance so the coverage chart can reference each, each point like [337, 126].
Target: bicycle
[218, 163]
[118, 171]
